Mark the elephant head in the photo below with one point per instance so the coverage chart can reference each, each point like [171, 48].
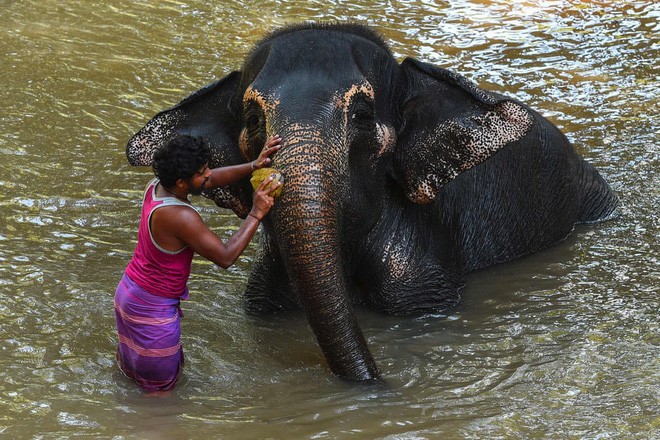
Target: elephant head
[368, 143]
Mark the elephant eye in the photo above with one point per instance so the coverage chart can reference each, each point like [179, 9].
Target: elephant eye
[362, 114]
[252, 121]
[255, 127]
[253, 117]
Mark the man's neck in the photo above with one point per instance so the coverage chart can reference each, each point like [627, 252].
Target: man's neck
[175, 192]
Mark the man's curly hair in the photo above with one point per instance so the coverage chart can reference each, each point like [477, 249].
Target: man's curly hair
[180, 158]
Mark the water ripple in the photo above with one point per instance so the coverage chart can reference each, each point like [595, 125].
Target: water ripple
[559, 344]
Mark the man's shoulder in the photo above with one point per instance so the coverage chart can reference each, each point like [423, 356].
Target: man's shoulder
[181, 211]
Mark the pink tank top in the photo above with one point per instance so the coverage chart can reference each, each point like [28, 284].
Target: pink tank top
[157, 270]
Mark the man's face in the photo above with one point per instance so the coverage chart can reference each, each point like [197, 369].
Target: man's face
[197, 183]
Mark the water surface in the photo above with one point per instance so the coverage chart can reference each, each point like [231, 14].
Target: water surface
[562, 344]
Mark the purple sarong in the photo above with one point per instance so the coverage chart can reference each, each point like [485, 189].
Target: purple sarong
[149, 330]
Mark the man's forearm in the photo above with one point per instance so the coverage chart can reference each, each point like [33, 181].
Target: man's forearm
[224, 176]
[239, 241]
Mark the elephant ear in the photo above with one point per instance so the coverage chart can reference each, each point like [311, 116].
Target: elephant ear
[208, 113]
[448, 126]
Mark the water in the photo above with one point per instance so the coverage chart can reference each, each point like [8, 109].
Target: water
[562, 344]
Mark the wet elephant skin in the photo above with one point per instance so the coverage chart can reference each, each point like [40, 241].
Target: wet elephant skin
[400, 178]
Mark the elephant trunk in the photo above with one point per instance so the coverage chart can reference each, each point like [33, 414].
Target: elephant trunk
[307, 228]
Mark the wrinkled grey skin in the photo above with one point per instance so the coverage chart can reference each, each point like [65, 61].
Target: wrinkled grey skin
[383, 201]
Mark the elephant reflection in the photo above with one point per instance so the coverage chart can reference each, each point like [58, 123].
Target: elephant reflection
[386, 201]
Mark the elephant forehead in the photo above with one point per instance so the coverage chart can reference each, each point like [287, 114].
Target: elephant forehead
[342, 95]
[267, 102]
[364, 88]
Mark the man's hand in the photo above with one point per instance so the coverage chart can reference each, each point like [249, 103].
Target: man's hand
[270, 147]
[263, 199]
[223, 176]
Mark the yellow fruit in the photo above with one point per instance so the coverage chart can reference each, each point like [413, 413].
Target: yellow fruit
[262, 174]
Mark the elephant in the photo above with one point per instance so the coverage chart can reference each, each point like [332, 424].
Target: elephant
[400, 178]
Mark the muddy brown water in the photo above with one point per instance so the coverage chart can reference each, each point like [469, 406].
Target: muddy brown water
[561, 344]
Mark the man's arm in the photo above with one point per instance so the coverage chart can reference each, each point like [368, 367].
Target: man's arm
[176, 226]
[224, 176]
[192, 230]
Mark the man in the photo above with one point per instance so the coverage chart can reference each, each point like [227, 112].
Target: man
[171, 231]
